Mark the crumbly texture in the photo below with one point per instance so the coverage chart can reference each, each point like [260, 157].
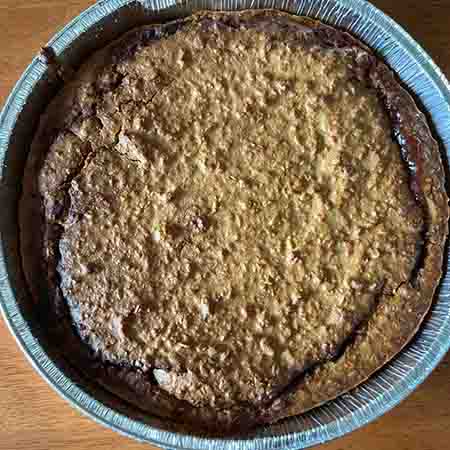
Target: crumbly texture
[227, 219]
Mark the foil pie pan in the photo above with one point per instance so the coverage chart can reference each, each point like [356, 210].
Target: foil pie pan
[92, 29]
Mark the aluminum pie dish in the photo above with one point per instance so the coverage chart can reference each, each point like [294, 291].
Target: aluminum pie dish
[94, 28]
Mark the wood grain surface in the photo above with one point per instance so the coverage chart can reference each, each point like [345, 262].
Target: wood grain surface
[33, 417]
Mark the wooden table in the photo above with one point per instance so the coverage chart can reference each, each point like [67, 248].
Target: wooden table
[33, 417]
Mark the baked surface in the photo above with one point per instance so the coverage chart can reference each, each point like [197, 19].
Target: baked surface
[230, 230]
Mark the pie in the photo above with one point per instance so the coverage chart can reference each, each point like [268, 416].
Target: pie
[233, 217]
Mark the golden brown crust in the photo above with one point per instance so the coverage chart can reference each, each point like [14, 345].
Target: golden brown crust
[375, 343]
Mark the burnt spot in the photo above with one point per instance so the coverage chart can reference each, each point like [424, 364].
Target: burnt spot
[110, 81]
[143, 38]
[48, 55]
[177, 195]
[175, 231]
[56, 69]
[200, 224]
[94, 267]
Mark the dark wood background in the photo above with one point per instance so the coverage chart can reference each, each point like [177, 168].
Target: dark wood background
[33, 417]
